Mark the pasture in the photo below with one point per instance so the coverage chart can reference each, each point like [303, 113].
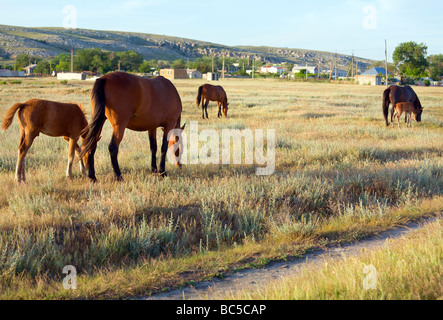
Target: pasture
[340, 174]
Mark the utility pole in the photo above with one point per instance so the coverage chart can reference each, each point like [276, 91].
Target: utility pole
[335, 66]
[213, 62]
[223, 70]
[386, 62]
[253, 68]
[352, 74]
[72, 60]
[330, 71]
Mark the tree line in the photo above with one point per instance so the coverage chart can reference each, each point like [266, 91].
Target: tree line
[101, 62]
[410, 61]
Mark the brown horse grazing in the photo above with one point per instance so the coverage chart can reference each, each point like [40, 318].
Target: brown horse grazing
[136, 103]
[408, 108]
[208, 92]
[54, 119]
[395, 94]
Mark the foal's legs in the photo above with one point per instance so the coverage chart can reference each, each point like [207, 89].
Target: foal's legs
[153, 146]
[26, 140]
[398, 118]
[117, 136]
[71, 155]
[77, 150]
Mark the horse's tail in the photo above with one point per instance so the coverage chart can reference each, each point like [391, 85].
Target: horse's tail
[386, 102]
[94, 129]
[199, 95]
[10, 115]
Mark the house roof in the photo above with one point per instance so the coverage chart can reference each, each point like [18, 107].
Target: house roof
[374, 72]
[31, 66]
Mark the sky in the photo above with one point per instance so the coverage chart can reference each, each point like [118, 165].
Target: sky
[343, 26]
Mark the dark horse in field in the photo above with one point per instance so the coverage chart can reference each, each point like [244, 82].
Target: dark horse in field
[395, 94]
[208, 92]
[138, 104]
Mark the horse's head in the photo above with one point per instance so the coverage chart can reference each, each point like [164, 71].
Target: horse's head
[225, 107]
[418, 114]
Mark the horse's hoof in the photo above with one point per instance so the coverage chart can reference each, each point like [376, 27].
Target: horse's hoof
[154, 170]
[120, 179]
[93, 180]
[163, 174]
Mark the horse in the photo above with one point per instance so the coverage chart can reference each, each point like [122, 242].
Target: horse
[51, 118]
[209, 92]
[135, 103]
[408, 108]
[395, 94]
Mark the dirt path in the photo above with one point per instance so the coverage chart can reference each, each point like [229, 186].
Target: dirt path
[253, 279]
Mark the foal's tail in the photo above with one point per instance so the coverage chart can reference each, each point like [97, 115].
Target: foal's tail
[386, 102]
[199, 95]
[10, 115]
[94, 129]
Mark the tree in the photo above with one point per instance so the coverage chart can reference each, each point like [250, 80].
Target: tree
[178, 64]
[410, 59]
[435, 66]
[145, 67]
[43, 67]
[130, 60]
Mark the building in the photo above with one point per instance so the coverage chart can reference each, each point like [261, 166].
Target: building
[212, 76]
[273, 69]
[172, 74]
[9, 73]
[310, 69]
[194, 74]
[71, 76]
[372, 76]
[29, 69]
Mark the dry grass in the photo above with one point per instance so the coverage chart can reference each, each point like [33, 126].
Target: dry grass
[340, 174]
[405, 269]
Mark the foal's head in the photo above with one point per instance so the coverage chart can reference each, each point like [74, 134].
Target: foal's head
[417, 114]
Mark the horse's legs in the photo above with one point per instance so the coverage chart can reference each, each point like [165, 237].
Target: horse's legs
[203, 108]
[117, 136]
[206, 109]
[164, 150]
[91, 169]
[219, 104]
[153, 146]
[398, 118]
[25, 143]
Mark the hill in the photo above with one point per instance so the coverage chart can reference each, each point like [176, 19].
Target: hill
[47, 42]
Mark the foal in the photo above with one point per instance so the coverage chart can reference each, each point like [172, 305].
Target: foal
[409, 109]
[54, 119]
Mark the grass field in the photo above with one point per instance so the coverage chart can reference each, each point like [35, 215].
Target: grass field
[340, 174]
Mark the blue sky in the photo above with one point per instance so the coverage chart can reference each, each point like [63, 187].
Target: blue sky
[346, 26]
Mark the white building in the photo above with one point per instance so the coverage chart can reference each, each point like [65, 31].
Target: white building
[194, 74]
[273, 69]
[310, 69]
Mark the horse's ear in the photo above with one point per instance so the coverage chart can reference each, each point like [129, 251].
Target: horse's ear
[183, 127]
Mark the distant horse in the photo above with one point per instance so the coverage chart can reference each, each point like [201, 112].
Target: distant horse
[395, 94]
[408, 108]
[51, 118]
[208, 92]
[136, 103]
